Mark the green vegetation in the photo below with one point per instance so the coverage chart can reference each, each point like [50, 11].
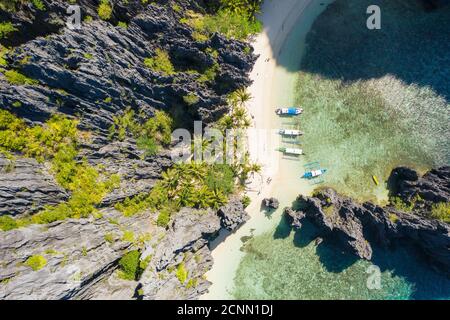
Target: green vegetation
[328, 210]
[7, 223]
[39, 142]
[129, 265]
[128, 236]
[246, 201]
[234, 19]
[122, 24]
[36, 262]
[147, 144]
[104, 10]
[182, 273]
[15, 77]
[6, 28]
[38, 4]
[401, 205]
[393, 217]
[176, 7]
[3, 52]
[56, 141]
[195, 185]
[441, 211]
[185, 185]
[191, 283]
[191, 99]
[163, 217]
[160, 62]
[149, 134]
[109, 237]
[209, 74]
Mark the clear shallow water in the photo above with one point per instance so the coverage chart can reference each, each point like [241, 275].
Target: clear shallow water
[288, 265]
[373, 102]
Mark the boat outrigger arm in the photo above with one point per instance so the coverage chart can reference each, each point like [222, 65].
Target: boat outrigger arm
[288, 132]
[292, 151]
[289, 111]
[314, 173]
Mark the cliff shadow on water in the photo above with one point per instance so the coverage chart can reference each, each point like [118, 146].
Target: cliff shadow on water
[418, 280]
[413, 44]
[373, 99]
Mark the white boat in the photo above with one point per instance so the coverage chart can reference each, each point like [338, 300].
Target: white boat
[293, 151]
[288, 132]
[289, 111]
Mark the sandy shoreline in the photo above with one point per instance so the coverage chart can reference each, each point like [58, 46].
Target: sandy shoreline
[278, 17]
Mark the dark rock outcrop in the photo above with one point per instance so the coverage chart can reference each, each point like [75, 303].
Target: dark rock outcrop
[432, 187]
[185, 246]
[355, 226]
[233, 215]
[271, 203]
[98, 71]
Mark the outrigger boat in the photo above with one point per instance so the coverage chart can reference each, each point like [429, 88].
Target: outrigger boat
[289, 132]
[314, 173]
[289, 111]
[291, 151]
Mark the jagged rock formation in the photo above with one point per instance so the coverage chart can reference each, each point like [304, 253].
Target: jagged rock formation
[432, 188]
[95, 74]
[271, 203]
[186, 243]
[355, 226]
[26, 187]
[79, 253]
[231, 215]
[99, 70]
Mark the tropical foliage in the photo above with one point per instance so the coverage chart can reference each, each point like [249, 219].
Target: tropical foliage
[160, 62]
[129, 265]
[104, 10]
[36, 262]
[150, 134]
[441, 211]
[185, 185]
[234, 19]
[56, 141]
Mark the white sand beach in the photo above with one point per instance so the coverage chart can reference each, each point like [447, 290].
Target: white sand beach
[270, 81]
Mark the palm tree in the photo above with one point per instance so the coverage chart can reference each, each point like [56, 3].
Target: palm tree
[170, 180]
[218, 199]
[243, 96]
[197, 170]
[203, 197]
[186, 196]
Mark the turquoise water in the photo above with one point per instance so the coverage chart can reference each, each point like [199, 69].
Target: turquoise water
[372, 101]
[288, 265]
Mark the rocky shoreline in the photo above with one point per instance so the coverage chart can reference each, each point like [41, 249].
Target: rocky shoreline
[357, 227]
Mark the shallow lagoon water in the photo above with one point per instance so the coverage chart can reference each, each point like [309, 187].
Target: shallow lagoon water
[373, 102]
